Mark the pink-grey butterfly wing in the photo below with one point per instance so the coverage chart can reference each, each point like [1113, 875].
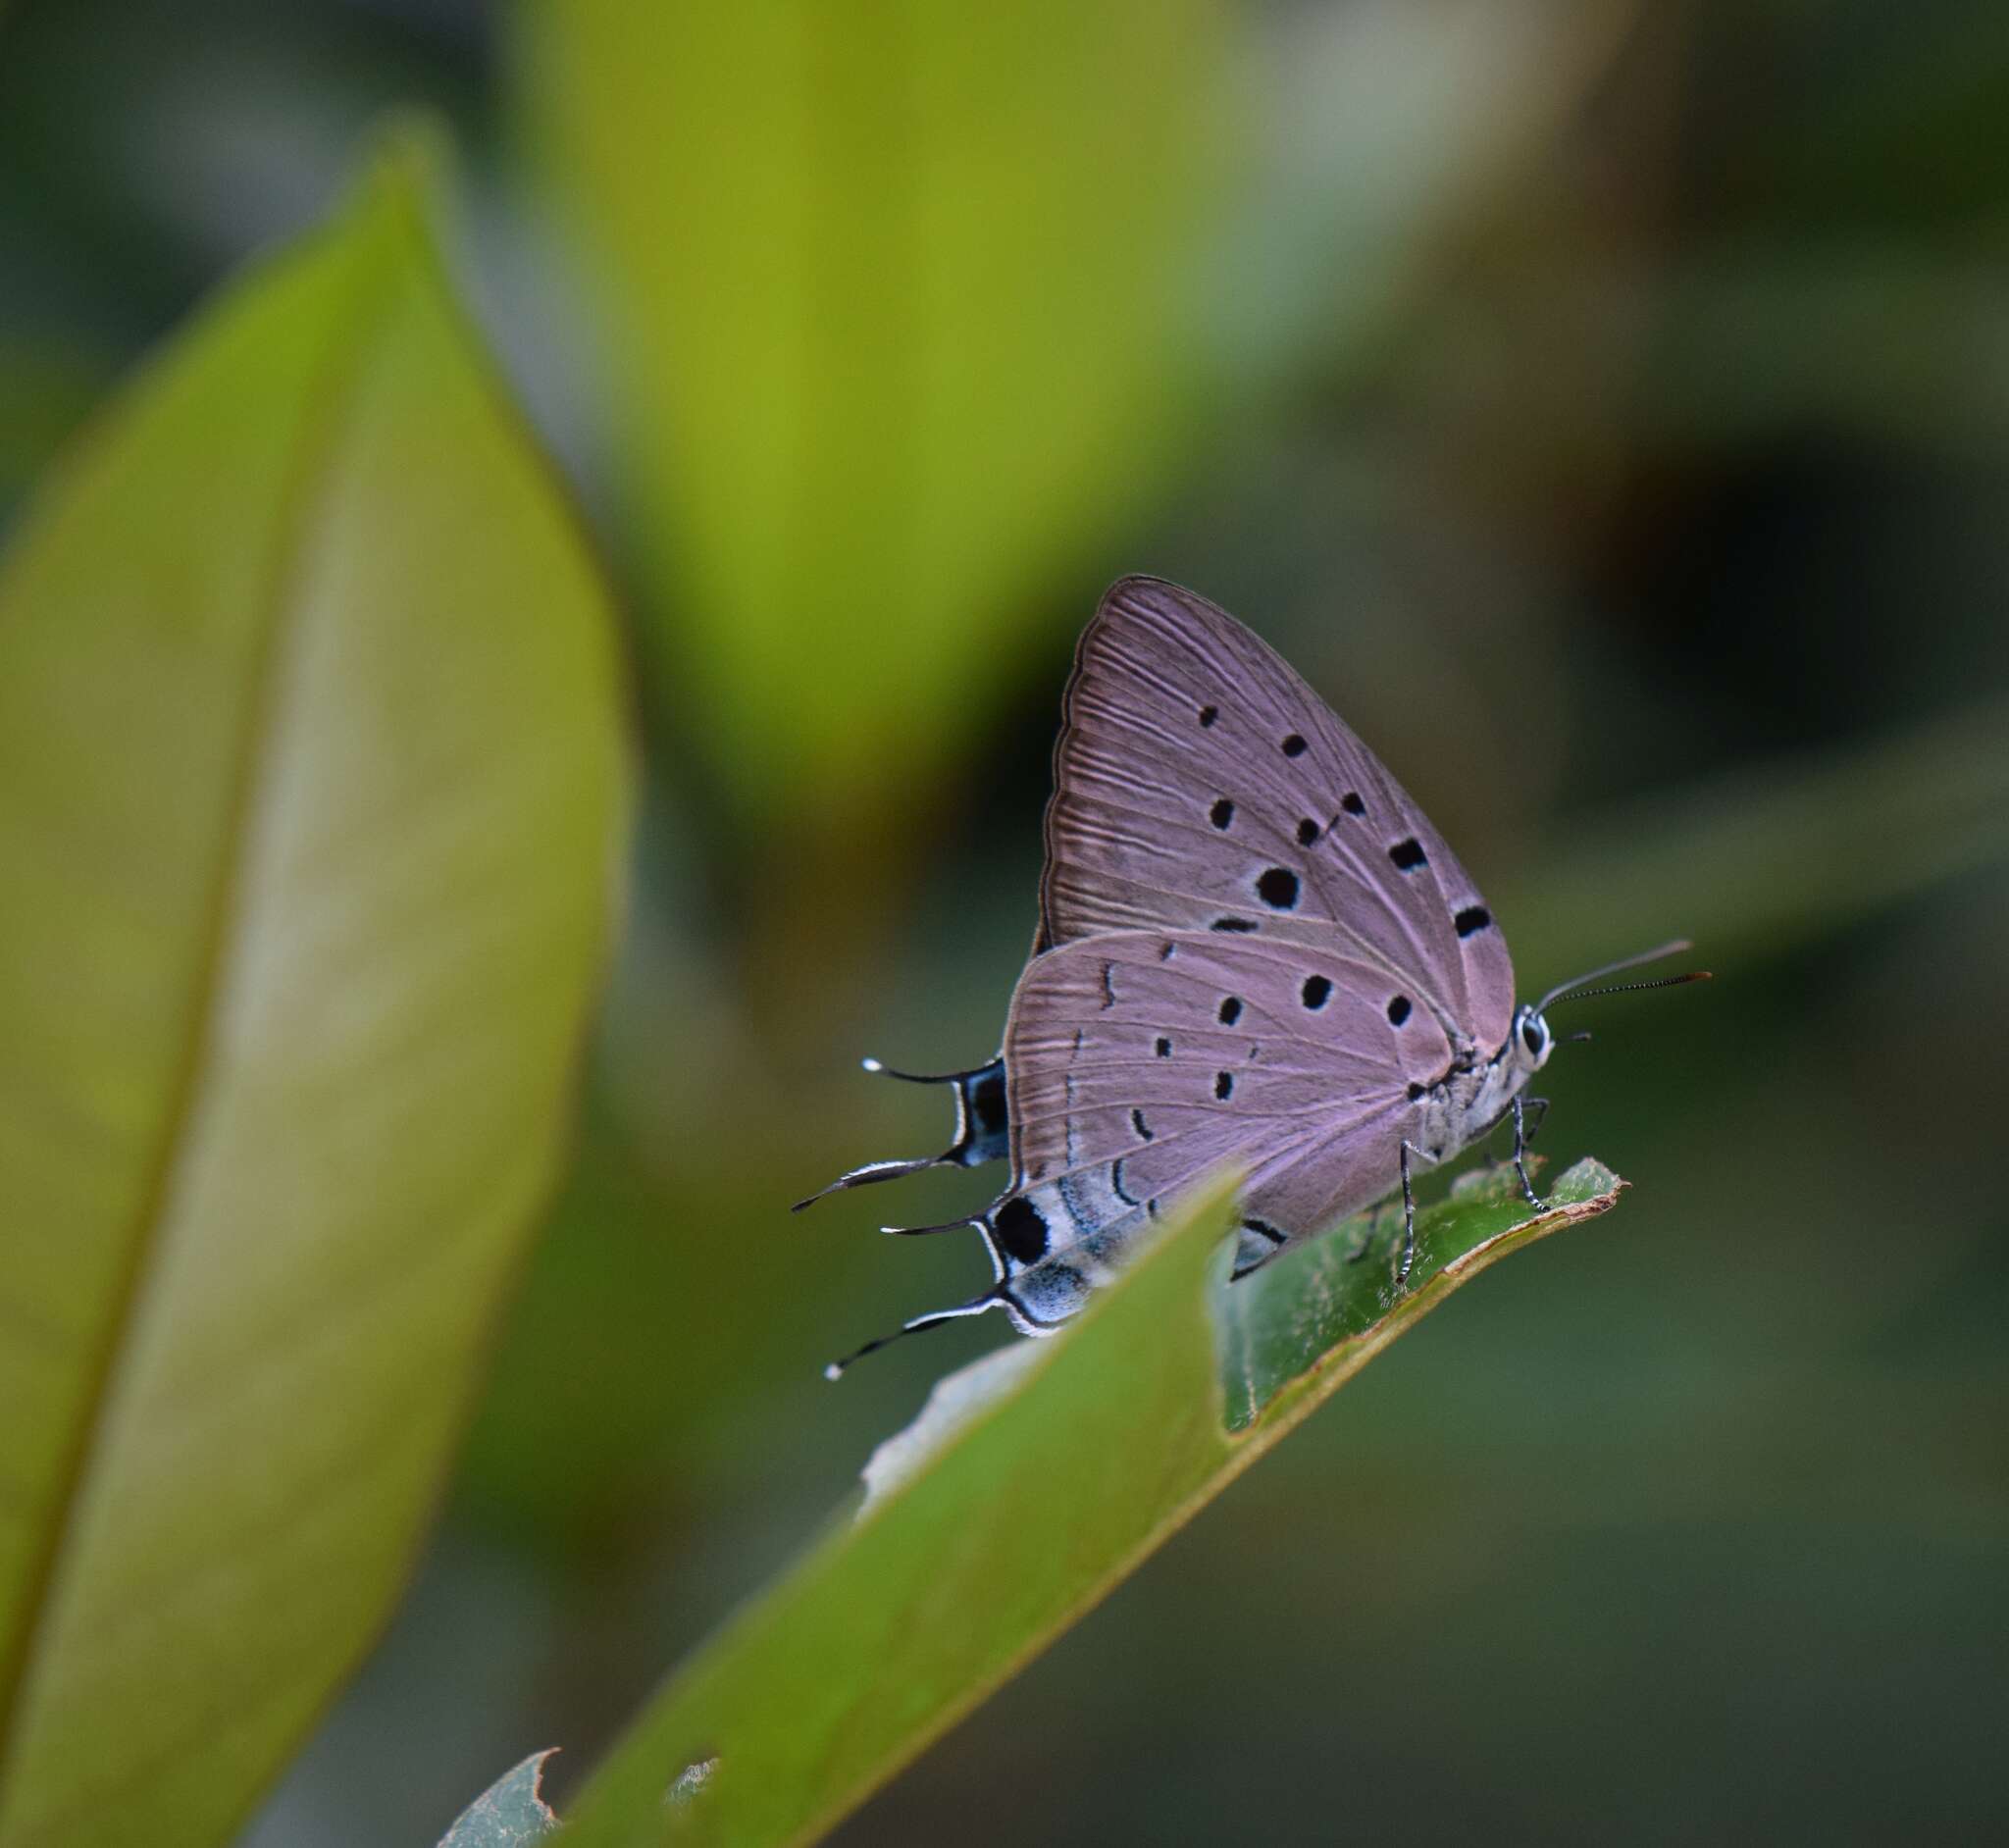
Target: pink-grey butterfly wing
[1140, 1061]
[1199, 783]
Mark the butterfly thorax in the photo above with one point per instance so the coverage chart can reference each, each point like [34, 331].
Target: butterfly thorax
[1466, 1102]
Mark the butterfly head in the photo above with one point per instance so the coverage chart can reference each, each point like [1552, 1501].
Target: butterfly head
[1531, 1042]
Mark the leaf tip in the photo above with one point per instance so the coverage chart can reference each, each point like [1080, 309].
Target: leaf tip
[410, 159]
[511, 1813]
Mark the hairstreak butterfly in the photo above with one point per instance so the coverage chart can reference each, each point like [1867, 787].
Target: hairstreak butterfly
[1253, 948]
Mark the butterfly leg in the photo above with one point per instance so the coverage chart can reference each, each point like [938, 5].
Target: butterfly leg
[1524, 1136]
[1408, 1214]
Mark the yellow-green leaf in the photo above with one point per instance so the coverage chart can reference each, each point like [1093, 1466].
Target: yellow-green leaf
[1018, 1508]
[897, 309]
[310, 796]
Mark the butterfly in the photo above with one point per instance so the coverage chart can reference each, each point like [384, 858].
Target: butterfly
[1253, 950]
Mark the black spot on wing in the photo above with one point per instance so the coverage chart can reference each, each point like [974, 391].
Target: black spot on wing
[1221, 813]
[1352, 803]
[1223, 1085]
[1142, 1128]
[1233, 924]
[1277, 888]
[1165, 1049]
[1408, 855]
[1308, 832]
[1294, 745]
[1317, 991]
[1020, 1231]
[1121, 1192]
[1208, 714]
[1474, 917]
[1230, 1010]
[1398, 1011]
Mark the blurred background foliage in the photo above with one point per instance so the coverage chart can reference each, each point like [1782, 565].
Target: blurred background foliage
[1610, 413]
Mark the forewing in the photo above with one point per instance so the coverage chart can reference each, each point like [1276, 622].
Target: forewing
[1200, 783]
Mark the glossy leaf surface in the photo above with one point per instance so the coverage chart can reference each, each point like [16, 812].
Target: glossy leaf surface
[310, 795]
[1082, 1457]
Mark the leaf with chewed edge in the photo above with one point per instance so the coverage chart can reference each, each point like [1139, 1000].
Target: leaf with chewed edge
[509, 1814]
[1015, 1506]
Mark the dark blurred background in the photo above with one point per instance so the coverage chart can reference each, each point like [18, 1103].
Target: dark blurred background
[1609, 411]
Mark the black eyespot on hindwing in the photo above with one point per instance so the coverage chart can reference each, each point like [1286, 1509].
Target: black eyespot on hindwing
[1308, 832]
[1223, 1085]
[1416, 1090]
[1398, 1011]
[1020, 1231]
[1408, 855]
[1352, 803]
[1208, 714]
[1474, 917]
[1315, 991]
[1294, 745]
[1277, 888]
[1165, 1049]
[1221, 813]
[1230, 1010]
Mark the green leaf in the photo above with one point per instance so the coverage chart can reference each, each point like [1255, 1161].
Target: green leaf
[1383, 130]
[509, 1814]
[1032, 1486]
[1789, 853]
[900, 305]
[311, 786]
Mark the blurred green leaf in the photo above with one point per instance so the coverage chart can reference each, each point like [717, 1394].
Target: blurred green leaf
[509, 1814]
[1787, 853]
[1384, 127]
[47, 386]
[1049, 1473]
[1873, 338]
[310, 795]
[900, 304]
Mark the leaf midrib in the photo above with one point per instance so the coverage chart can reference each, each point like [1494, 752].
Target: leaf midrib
[325, 421]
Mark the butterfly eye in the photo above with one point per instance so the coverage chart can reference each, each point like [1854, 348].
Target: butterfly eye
[1532, 1033]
